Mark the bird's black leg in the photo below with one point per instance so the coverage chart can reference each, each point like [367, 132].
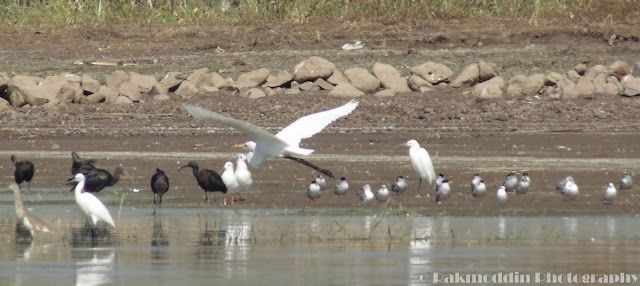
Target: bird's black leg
[309, 164]
[419, 195]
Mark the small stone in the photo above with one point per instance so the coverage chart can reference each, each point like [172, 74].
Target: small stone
[580, 69]
[417, 82]
[619, 69]
[90, 84]
[254, 93]
[469, 76]
[432, 72]
[573, 76]
[345, 90]
[280, 79]
[337, 78]
[485, 71]
[631, 85]
[186, 89]
[198, 76]
[492, 88]
[516, 84]
[253, 78]
[323, 84]
[362, 80]
[115, 79]
[309, 86]
[533, 84]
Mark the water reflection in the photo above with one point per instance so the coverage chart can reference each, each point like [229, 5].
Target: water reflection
[159, 240]
[88, 236]
[98, 269]
[238, 227]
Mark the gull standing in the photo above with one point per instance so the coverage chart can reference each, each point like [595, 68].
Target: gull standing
[524, 185]
[480, 189]
[626, 182]
[321, 182]
[474, 182]
[383, 194]
[510, 182]
[243, 175]
[342, 187]
[561, 186]
[230, 180]
[285, 143]
[571, 189]
[31, 222]
[92, 207]
[400, 185]
[313, 192]
[421, 162]
[366, 194]
[609, 194]
[444, 191]
[501, 195]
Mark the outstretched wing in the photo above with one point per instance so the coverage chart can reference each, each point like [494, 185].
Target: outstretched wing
[256, 133]
[311, 124]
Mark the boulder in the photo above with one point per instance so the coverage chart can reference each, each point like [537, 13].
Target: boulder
[186, 89]
[252, 79]
[281, 78]
[567, 89]
[144, 83]
[417, 82]
[169, 83]
[362, 80]
[492, 88]
[485, 71]
[309, 86]
[337, 78]
[116, 78]
[122, 100]
[4, 81]
[312, 69]
[573, 76]
[218, 81]
[619, 69]
[390, 78]
[516, 84]
[432, 72]
[631, 85]
[160, 97]
[636, 70]
[199, 76]
[130, 90]
[469, 76]
[345, 90]
[254, 93]
[323, 84]
[89, 84]
[533, 84]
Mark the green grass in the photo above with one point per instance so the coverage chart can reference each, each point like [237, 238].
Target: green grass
[38, 12]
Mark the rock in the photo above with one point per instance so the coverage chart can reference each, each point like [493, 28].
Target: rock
[292, 90]
[89, 84]
[144, 83]
[269, 91]
[580, 69]
[105, 94]
[130, 90]
[345, 90]
[115, 79]
[636, 70]
[218, 81]
[485, 71]
[186, 89]
[4, 104]
[280, 79]
[160, 97]
[252, 79]
[573, 76]
[362, 80]
[631, 85]
[29, 90]
[585, 87]
[619, 69]
[70, 92]
[469, 76]
[611, 89]
[424, 89]
[199, 76]
[309, 86]
[492, 88]
[553, 78]
[390, 78]
[432, 72]
[599, 83]
[417, 82]
[323, 84]
[567, 89]
[122, 100]
[313, 68]
[4, 81]
[516, 84]
[533, 84]
[337, 78]
[169, 83]
[254, 93]
[385, 93]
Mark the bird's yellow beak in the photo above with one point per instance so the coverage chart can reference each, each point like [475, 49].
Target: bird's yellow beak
[450, 182]
[239, 145]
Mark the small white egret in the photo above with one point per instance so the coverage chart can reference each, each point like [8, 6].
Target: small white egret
[367, 194]
[400, 185]
[230, 180]
[610, 193]
[31, 222]
[626, 182]
[510, 182]
[92, 207]
[285, 143]
[383, 194]
[501, 195]
[444, 191]
[474, 181]
[341, 187]
[313, 191]
[243, 175]
[524, 185]
[421, 162]
[480, 189]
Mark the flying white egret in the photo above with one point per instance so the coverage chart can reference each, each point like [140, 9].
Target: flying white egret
[285, 143]
[421, 162]
[90, 204]
[243, 175]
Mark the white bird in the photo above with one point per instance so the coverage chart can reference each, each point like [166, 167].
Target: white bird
[383, 194]
[342, 187]
[480, 189]
[421, 162]
[249, 146]
[561, 186]
[243, 175]
[321, 182]
[474, 181]
[366, 195]
[610, 193]
[31, 222]
[313, 192]
[571, 189]
[90, 204]
[285, 143]
[510, 182]
[626, 182]
[439, 180]
[400, 185]
[524, 185]
[501, 195]
[230, 180]
[444, 191]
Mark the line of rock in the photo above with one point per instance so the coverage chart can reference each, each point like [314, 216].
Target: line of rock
[316, 73]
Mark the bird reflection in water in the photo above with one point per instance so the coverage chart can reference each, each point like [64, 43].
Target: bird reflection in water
[96, 266]
[159, 241]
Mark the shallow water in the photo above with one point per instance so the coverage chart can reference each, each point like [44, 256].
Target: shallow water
[210, 246]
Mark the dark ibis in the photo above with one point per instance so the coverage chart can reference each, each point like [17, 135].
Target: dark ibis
[81, 165]
[159, 186]
[208, 180]
[24, 171]
[98, 179]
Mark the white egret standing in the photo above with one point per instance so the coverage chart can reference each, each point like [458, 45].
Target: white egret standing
[230, 180]
[243, 175]
[92, 207]
[285, 143]
[31, 222]
[421, 162]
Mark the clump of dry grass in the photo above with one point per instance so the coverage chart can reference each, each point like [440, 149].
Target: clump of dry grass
[35, 12]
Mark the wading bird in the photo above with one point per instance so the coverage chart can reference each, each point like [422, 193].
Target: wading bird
[159, 186]
[79, 165]
[208, 180]
[98, 179]
[421, 162]
[24, 171]
[341, 187]
[92, 207]
[285, 143]
[230, 180]
[243, 175]
[31, 222]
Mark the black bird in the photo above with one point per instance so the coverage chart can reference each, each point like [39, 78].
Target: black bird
[208, 180]
[159, 186]
[81, 165]
[98, 179]
[24, 171]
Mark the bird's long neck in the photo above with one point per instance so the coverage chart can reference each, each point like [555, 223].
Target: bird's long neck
[19, 204]
[79, 188]
[115, 178]
[195, 171]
